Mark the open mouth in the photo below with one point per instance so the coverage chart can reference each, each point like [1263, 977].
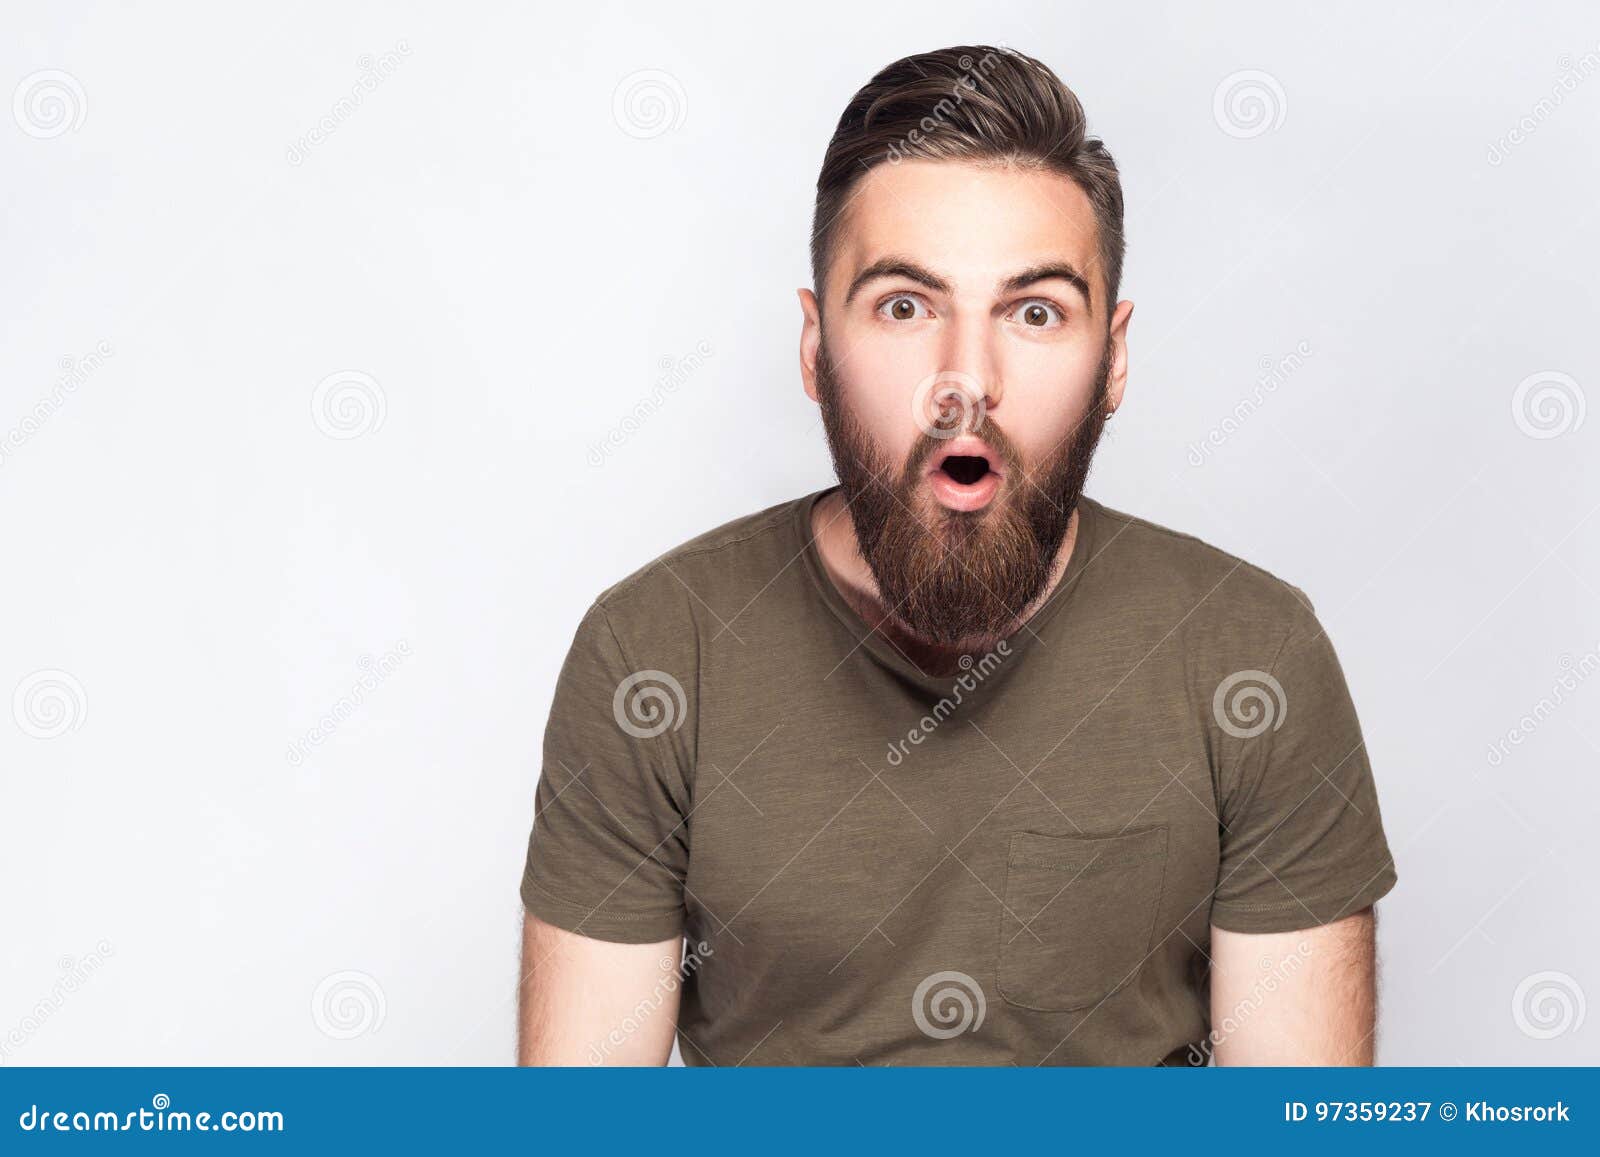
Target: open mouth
[965, 475]
[965, 468]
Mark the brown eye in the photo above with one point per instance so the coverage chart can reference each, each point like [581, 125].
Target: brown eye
[1038, 314]
[903, 309]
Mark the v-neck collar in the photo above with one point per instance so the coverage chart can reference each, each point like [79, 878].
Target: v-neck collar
[889, 655]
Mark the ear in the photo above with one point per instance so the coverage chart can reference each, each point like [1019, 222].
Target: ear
[810, 340]
[1117, 372]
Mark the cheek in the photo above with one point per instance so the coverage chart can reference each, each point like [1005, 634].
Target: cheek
[879, 388]
[1046, 398]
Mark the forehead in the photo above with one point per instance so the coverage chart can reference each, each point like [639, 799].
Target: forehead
[973, 224]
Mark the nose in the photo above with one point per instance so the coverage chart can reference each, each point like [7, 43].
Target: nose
[958, 397]
[970, 359]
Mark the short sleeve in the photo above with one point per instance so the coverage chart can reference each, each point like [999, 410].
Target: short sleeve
[1302, 840]
[608, 852]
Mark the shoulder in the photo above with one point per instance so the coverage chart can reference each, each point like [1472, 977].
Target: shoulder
[1170, 572]
[709, 578]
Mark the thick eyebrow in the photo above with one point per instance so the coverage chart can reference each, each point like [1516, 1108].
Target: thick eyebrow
[911, 271]
[1058, 270]
[897, 267]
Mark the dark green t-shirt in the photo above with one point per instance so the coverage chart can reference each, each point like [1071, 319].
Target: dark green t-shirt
[1016, 864]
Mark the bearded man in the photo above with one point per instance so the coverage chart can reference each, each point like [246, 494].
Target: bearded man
[950, 763]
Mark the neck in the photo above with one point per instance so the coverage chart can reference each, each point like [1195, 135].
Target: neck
[850, 573]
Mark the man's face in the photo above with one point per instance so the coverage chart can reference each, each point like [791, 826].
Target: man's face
[964, 364]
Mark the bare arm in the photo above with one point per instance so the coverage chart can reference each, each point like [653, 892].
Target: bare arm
[592, 1002]
[1307, 997]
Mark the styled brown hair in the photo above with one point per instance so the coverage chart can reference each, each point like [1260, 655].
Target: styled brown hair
[968, 103]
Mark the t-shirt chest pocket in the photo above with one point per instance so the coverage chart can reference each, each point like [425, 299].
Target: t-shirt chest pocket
[1079, 915]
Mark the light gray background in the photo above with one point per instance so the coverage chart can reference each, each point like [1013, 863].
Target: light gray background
[195, 566]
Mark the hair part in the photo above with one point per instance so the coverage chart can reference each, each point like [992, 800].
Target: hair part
[973, 103]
